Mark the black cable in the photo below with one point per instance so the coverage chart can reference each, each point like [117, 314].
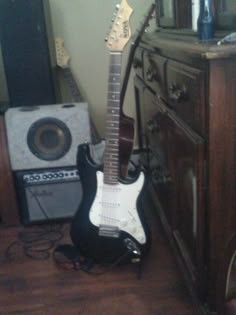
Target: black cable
[108, 268]
[38, 202]
[37, 243]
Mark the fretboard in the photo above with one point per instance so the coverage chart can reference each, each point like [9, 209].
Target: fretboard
[112, 132]
[75, 93]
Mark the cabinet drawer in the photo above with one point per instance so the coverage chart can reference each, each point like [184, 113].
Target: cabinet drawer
[154, 72]
[186, 94]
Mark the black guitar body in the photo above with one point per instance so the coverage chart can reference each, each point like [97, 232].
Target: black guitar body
[85, 235]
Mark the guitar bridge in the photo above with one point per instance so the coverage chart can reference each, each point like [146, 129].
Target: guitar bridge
[109, 231]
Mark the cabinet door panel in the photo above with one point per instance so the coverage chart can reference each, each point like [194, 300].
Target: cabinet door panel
[186, 162]
[159, 161]
[177, 166]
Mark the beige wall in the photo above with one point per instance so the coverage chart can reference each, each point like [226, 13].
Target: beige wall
[83, 24]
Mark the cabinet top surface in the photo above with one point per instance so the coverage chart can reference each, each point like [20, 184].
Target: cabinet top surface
[189, 44]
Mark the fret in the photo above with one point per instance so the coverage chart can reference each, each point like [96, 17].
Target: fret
[114, 94]
[112, 129]
[111, 156]
[114, 155]
[114, 88]
[113, 136]
[107, 161]
[111, 142]
[113, 163]
[76, 95]
[112, 151]
[114, 122]
[114, 69]
[114, 105]
[110, 173]
[110, 181]
[113, 126]
[113, 99]
[112, 132]
[113, 112]
[113, 117]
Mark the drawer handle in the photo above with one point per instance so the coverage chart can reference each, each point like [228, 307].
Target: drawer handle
[177, 93]
[137, 63]
[152, 126]
[152, 75]
[161, 176]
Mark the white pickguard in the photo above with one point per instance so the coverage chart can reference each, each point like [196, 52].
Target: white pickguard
[115, 206]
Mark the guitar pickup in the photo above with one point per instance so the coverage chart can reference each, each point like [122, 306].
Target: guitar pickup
[109, 231]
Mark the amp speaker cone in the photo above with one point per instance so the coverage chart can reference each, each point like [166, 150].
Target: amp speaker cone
[49, 139]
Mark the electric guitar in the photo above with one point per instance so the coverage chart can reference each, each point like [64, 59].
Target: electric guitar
[63, 61]
[109, 225]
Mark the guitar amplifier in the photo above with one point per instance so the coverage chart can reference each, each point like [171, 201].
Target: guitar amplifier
[48, 195]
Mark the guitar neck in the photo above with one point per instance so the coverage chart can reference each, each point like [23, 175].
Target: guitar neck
[111, 156]
[75, 92]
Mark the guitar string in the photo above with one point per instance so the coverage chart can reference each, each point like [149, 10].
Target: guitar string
[112, 159]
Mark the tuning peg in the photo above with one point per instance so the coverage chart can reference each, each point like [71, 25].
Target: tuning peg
[106, 39]
[117, 7]
[153, 15]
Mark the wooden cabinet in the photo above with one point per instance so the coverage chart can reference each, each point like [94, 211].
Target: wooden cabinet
[186, 116]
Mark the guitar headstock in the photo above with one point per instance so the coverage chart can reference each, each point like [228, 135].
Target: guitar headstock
[62, 56]
[120, 31]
